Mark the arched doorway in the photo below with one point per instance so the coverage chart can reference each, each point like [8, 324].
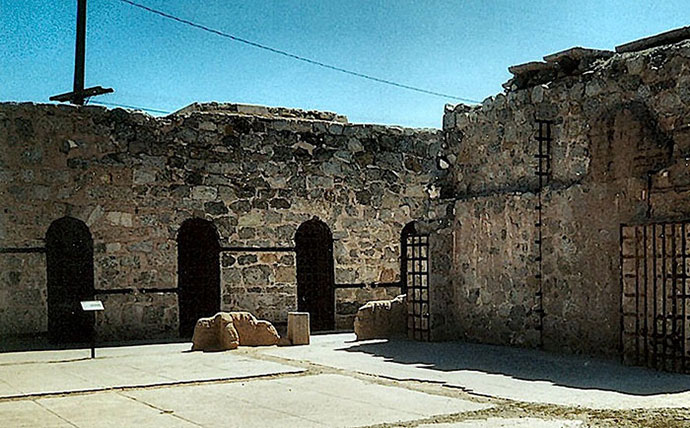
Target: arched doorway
[198, 273]
[69, 261]
[315, 273]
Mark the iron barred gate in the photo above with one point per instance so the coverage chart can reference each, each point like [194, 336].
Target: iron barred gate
[417, 278]
[655, 295]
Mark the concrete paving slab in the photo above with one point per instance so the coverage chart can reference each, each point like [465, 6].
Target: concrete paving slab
[385, 397]
[319, 400]
[229, 408]
[7, 390]
[517, 374]
[54, 377]
[20, 414]
[109, 409]
[129, 369]
[509, 423]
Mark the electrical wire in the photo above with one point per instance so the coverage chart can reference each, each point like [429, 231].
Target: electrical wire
[293, 56]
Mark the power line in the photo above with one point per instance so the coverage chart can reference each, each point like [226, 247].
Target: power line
[293, 56]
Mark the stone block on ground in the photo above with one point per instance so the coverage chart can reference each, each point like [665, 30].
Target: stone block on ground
[216, 333]
[298, 328]
[382, 319]
[254, 332]
[228, 330]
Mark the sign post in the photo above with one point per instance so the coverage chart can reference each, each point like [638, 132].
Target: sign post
[92, 306]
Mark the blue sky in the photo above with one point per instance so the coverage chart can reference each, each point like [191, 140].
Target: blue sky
[461, 48]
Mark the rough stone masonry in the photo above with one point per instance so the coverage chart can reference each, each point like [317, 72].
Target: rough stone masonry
[537, 264]
[522, 198]
[255, 173]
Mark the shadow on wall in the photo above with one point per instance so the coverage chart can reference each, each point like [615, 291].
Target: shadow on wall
[527, 364]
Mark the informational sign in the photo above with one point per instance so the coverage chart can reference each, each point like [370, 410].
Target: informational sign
[91, 305]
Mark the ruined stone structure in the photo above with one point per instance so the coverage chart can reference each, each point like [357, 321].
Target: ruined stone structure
[218, 207]
[524, 209]
[544, 177]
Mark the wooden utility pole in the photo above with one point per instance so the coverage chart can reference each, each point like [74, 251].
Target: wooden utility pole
[79, 94]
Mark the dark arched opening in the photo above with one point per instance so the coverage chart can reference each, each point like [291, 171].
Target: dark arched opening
[198, 273]
[315, 273]
[69, 260]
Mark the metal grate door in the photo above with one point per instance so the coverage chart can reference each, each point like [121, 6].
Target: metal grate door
[417, 267]
[655, 298]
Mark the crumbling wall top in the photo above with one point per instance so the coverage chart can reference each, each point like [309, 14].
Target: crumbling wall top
[262, 111]
[571, 61]
[579, 60]
[665, 38]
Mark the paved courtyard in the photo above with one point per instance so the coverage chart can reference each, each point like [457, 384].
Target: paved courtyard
[333, 382]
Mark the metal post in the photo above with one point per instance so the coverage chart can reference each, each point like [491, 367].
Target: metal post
[684, 295]
[543, 172]
[674, 295]
[80, 53]
[664, 315]
[79, 93]
[637, 295]
[645, 334]
[93, 336]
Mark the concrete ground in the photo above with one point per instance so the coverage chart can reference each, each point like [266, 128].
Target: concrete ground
[335, 381]
[498, 371]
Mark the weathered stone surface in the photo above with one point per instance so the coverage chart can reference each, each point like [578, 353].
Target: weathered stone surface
[258, 111]
[576, 54]
[23, 293]
[216, 333]
[144, 316]
[665, 38]
[382, 319]
[298, 329]
[253, 332]
[349, 300]
[226, 331]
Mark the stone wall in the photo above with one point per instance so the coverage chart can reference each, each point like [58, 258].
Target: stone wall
[494, 269]
[263, 284]
[619, 124]
[23, 293]
[256, 173]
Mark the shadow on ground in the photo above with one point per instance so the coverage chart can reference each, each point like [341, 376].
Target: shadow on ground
[526, 364]
[42, 343]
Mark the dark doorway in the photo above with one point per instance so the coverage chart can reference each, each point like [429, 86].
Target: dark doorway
[407, 231]
[198, 273]
[69, 260]
[315, 274]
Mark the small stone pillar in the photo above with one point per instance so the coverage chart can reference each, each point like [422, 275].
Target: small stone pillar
[298, 328]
